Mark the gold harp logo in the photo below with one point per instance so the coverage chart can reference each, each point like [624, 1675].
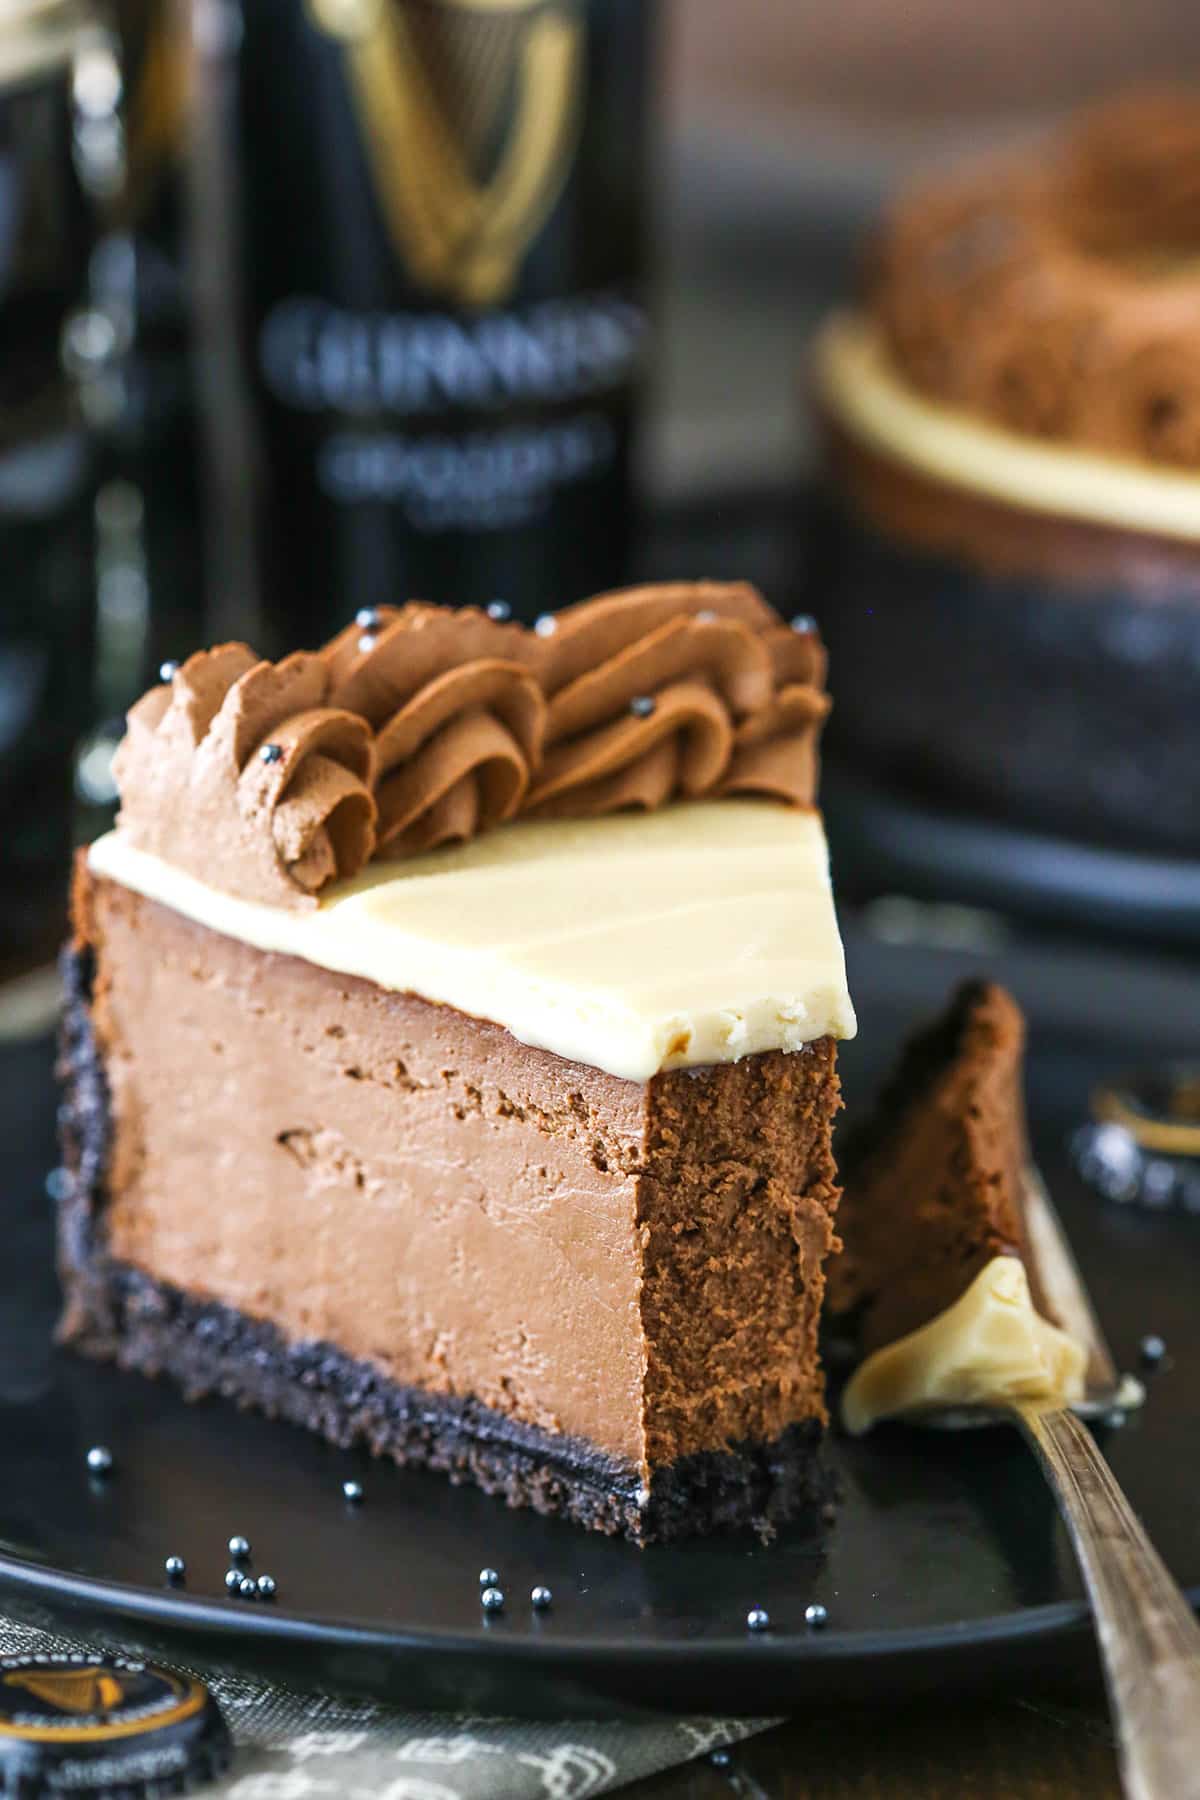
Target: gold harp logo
[86, 1690]
[470, 112]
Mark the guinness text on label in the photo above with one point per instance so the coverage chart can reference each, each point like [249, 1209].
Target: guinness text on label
[317, 356]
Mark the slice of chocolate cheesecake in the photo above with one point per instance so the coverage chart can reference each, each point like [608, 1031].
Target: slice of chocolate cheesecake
[505, 1151]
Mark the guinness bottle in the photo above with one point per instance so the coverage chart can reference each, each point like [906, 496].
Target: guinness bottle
[444, 297]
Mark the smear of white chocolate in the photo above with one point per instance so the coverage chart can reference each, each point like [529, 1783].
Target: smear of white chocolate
[991, 1347]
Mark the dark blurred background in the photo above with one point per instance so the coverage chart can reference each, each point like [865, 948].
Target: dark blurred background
[309, 305]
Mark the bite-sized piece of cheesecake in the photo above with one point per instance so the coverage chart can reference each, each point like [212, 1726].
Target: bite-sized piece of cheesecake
[464, 1086]
[937, 1273]
[933, 1177]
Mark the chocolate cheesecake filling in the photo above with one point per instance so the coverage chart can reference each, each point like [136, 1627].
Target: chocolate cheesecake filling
[527, 1261]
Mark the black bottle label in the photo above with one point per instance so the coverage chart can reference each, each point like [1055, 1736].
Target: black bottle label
[443, 234]
[465, 423]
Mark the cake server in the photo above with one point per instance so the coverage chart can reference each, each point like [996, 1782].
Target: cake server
[1148, 1635]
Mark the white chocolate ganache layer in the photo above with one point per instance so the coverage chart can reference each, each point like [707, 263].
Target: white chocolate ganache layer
[991, 1346]
[858, 385]
[698, 934]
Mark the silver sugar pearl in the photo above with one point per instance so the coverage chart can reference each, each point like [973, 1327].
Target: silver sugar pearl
[352, 1491]
[271, 753]
[175, 1567]
[233, 1580]
[499, 610]
[239, 1548]
[100, 1460]
[545, 625]
[167, 671]
[804, 623]
[1152, 1348]
[492, 1600]
[367, 618]
[816, 1617]
[720, 1758]
[266, 1587]
[248, 1588]
[541, 1598]
[642, 705]
[366, 643]
[58, 1184]
[758, 1619]
[489, 1578]
[706, 616]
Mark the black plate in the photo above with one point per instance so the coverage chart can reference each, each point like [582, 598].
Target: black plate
[947, 1568]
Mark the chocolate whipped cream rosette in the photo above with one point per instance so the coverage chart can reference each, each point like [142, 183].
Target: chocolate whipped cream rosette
[677, 692]
[240, 772]
[1010, 571]
[458, 719]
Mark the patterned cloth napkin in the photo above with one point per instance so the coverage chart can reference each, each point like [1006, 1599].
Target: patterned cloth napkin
[294, 1746]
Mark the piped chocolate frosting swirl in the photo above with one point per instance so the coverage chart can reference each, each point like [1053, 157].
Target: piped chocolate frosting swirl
[430, 726]
[239, 771]
[665, 693]
[457, 715]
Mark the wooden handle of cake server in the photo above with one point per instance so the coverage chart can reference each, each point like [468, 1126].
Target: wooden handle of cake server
[1149, 1638]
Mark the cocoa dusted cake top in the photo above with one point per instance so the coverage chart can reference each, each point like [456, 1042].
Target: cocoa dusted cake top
[1056, 292]
[419, 727]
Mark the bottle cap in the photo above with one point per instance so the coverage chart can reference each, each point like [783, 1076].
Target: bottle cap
[103, 1726]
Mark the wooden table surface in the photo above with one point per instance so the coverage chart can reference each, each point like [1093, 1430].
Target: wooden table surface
[1047, 1747]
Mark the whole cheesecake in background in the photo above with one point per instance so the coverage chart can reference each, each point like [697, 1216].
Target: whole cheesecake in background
[451, 1052]
[1011, 582]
